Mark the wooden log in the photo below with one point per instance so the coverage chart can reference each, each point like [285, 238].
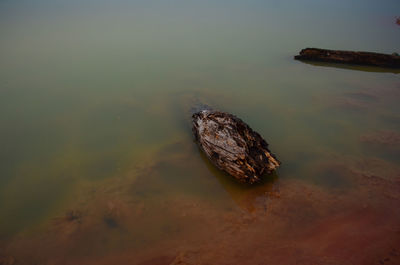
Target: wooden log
[233, 146]
[350, 57]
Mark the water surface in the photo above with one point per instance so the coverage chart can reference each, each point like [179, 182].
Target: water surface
[97, 159]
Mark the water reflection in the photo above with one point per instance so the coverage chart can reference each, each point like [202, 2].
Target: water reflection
[370, 69]
[247, 197]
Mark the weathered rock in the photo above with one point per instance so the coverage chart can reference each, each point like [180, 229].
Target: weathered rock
[349, 57]
[233, 146]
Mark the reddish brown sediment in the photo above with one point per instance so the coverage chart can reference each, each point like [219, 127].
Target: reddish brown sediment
[312, 225]
[137, 220]
[7, 260]
[307, 225]
[398, 21]
[384, 138]
[313, 229]
[373, 99]
[355, 101]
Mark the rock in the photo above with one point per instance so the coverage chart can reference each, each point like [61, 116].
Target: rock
[349, 57]
[233, 146]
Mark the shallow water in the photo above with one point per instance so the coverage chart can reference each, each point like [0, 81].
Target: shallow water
[97, 159]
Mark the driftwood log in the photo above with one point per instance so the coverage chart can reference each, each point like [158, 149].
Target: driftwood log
[233, 146]
[350, 57]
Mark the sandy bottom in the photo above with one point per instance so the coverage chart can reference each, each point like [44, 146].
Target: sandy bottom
[145, 218]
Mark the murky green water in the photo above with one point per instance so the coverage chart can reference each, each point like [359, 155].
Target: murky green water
[95, 100]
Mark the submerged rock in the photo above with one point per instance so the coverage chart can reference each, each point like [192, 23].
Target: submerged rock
[233, 146]
[72, 215]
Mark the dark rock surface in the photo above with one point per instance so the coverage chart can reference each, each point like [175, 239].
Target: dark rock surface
[233, 146]
[349, 57]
